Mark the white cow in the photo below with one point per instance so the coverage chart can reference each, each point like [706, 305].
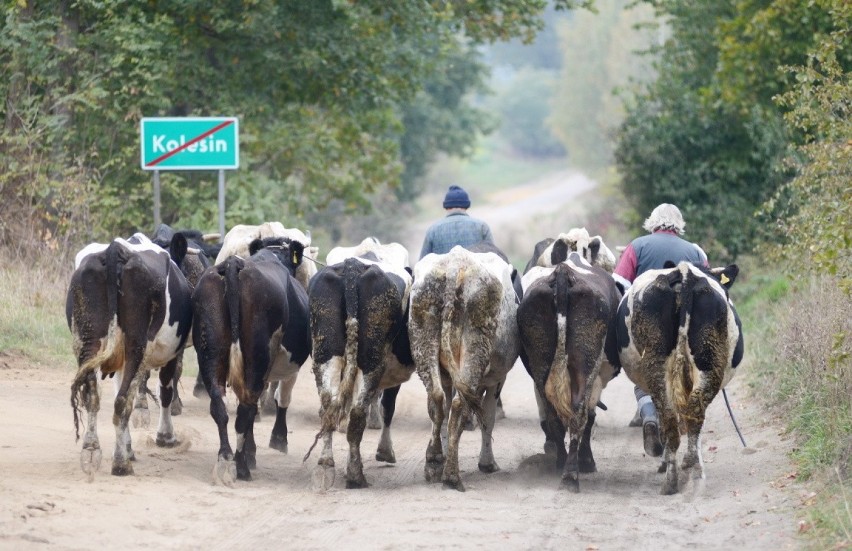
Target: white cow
[464, 338]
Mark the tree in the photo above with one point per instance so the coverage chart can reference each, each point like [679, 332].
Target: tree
[320, 87]
[705, 135]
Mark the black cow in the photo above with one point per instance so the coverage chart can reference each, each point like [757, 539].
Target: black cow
[251, 326]
[128, 307]
[359, 312]
[563, 319]
[678, 337]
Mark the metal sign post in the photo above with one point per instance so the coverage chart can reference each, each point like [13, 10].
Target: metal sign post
[190, 143]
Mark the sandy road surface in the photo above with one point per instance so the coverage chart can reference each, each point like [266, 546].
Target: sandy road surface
[171, 503]
[46, 502]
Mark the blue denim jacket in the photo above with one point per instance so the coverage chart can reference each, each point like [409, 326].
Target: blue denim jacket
[457, 228]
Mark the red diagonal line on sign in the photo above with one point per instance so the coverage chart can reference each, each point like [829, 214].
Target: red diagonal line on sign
[177, 150]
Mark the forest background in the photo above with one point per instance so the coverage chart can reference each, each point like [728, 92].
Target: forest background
[738, 111]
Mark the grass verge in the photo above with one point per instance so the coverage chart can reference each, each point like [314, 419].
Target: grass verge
[799, 339]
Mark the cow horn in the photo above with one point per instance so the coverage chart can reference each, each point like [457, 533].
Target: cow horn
[211, 236]
[193, 250]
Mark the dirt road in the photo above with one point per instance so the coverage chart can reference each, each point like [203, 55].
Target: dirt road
[747, 500]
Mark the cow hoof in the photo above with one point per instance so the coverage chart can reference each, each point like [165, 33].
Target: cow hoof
[356, 484]
[454, 483]
[123, 468]
[90, 460]
[279, 443]
[491, 468]
[141, 418]
[662, 468]
[587, 466]
[225, 472]
[434, 471]
[387, 456]
[499, 413]
[251, 461]
[550, 448]
[176, 407]
[668, 489]
[200, 392]
[323, 477]
[571, 484]
[243, 472]
[166, 440]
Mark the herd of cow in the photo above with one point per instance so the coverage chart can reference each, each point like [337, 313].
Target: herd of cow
[459, 320]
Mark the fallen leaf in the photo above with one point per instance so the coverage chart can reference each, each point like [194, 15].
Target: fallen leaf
[713, 448]
[804, 526]
[592, 548]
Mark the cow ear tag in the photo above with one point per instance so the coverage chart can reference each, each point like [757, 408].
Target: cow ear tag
[294, 257]
[724, 279]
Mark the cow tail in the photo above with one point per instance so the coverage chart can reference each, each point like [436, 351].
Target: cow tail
[114, 340]
[557, 387]
[236, 375]
[679, 371]
[350, 352]
[453, 303]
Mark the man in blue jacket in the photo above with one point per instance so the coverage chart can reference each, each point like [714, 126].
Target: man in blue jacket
[457, 227]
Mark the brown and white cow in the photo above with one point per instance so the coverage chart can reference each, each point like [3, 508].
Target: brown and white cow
[678, 337]
[128, 308]
[464, 338]
[563, 320]
[250, 327]
[359, 315]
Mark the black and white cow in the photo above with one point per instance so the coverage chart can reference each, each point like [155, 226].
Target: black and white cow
[338, 255]
[464, 339]
[128, 308]
[550, 252]
[237, 241]
[678, 337]
[563, 319]
[251, 327]
[359, 311]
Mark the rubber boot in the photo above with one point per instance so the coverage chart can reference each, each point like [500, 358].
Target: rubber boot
[650, 427]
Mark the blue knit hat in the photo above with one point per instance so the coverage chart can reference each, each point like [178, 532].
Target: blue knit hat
[456, 198]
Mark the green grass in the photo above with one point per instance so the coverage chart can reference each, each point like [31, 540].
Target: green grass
[32, 313]
[797, 349]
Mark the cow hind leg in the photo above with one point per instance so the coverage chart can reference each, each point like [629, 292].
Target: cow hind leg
[585, 459]
[374, 421]
[487, 464]
[91, 454]
[243, 427]
[176, 404]
[385, 451]
[123, 454]
[435, 457]
[141, 415]
[672, 443]
[571, 472]
[283, 395]
[354, 434]
[166, 431]
[451, 476]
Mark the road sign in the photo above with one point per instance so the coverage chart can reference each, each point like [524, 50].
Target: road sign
[190, 143]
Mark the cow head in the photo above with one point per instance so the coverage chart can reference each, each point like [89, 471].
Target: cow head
[290, 253]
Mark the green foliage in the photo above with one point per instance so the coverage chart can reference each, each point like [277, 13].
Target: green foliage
[815, 208]
[321, 88]
[707, 134]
